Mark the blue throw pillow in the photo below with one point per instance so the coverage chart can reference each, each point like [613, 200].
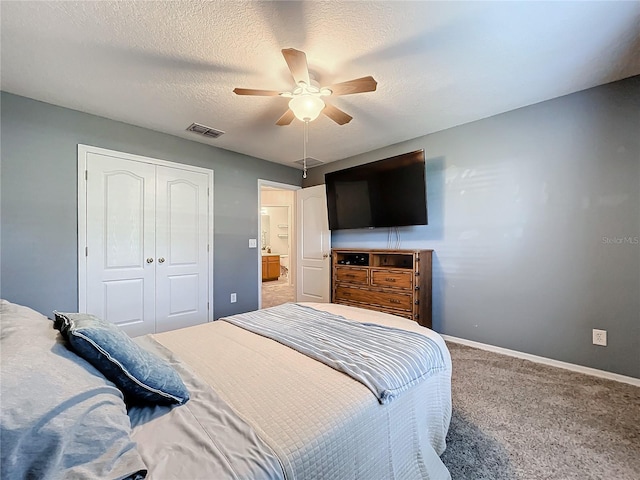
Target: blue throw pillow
[141, 375]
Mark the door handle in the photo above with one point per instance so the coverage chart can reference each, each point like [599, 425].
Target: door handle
[149, 260]
[161, 260]
[325, 255]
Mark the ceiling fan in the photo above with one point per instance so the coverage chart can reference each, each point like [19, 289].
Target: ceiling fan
[307, 96]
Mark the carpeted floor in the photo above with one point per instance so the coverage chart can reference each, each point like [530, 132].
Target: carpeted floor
[277, 292]
[516, 419]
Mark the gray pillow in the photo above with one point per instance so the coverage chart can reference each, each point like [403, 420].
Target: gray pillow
[142, 376]
[60, 417]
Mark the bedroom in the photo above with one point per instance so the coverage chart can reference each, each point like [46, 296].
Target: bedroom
[574, 160]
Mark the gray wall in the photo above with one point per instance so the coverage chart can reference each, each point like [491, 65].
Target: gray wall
[39, 202]
[534, 216]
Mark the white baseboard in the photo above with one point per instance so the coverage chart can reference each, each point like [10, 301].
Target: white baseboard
[547, 361]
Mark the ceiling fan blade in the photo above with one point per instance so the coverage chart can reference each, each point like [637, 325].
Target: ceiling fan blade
[251, 91]
[359, 85]
[286, 119]
[337, 115]
[297, 62]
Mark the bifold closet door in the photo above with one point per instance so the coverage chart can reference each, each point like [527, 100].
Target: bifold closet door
[147, 244]
[121, 242]
[181, 248]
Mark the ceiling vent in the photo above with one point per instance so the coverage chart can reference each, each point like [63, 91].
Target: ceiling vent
[204, 130]
[311, 162]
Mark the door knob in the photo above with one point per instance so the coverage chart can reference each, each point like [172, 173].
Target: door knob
[149, 260]
[161, 260]
[325, 255]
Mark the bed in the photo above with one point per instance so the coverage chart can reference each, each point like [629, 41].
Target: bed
[256, 408]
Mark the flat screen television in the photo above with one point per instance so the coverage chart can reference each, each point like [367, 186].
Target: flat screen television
[388, 193]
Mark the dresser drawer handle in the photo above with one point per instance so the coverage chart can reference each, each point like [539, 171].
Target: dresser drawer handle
[346, 294]
[394, 300]
[350, 275]
[388, 279]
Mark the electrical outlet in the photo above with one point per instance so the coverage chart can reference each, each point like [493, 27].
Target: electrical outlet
[234, 298]
[600, 337]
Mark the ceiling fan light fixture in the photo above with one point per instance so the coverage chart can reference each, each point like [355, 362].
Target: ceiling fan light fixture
[306, 107]
[306, 102]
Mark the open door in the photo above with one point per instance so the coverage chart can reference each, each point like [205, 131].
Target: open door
[313, 278]
[277, 237]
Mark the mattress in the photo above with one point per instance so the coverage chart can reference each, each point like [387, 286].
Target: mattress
[319, 422]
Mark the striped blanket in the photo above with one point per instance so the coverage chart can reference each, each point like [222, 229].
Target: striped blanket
[386, 360]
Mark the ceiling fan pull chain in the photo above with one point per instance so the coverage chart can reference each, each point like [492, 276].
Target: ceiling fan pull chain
[304, 148]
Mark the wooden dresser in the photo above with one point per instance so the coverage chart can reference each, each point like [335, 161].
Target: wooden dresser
[391, 281]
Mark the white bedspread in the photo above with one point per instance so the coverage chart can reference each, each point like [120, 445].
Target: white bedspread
[387, 360]
[321, 423]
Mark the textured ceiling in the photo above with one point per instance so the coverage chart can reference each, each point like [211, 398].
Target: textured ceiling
[164, 65]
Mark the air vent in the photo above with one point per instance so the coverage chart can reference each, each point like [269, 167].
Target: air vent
[311, 162]
[204, 130]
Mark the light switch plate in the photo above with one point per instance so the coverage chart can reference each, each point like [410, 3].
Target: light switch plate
[253, 243]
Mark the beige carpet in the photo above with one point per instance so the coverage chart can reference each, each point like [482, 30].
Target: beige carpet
[277, 292]
[515, 419]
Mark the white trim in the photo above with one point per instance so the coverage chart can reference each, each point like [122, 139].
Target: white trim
[546, 361]
[292, 239]
[277, 185]
[83, 152]
[82, 227]
[210, 250]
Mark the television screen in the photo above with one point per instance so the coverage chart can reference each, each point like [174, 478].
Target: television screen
[387, 193]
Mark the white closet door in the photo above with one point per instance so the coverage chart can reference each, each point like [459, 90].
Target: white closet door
[182, 281]
[120, 242]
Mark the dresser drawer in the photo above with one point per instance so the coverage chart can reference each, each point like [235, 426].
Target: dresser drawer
[388, 299]
[391, 278]
[352, 275]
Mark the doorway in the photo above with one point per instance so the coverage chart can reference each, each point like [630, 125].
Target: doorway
[277, 244]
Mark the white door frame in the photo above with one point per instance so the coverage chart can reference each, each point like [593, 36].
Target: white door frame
[292, 235]
[83, 152]
[292, 242]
